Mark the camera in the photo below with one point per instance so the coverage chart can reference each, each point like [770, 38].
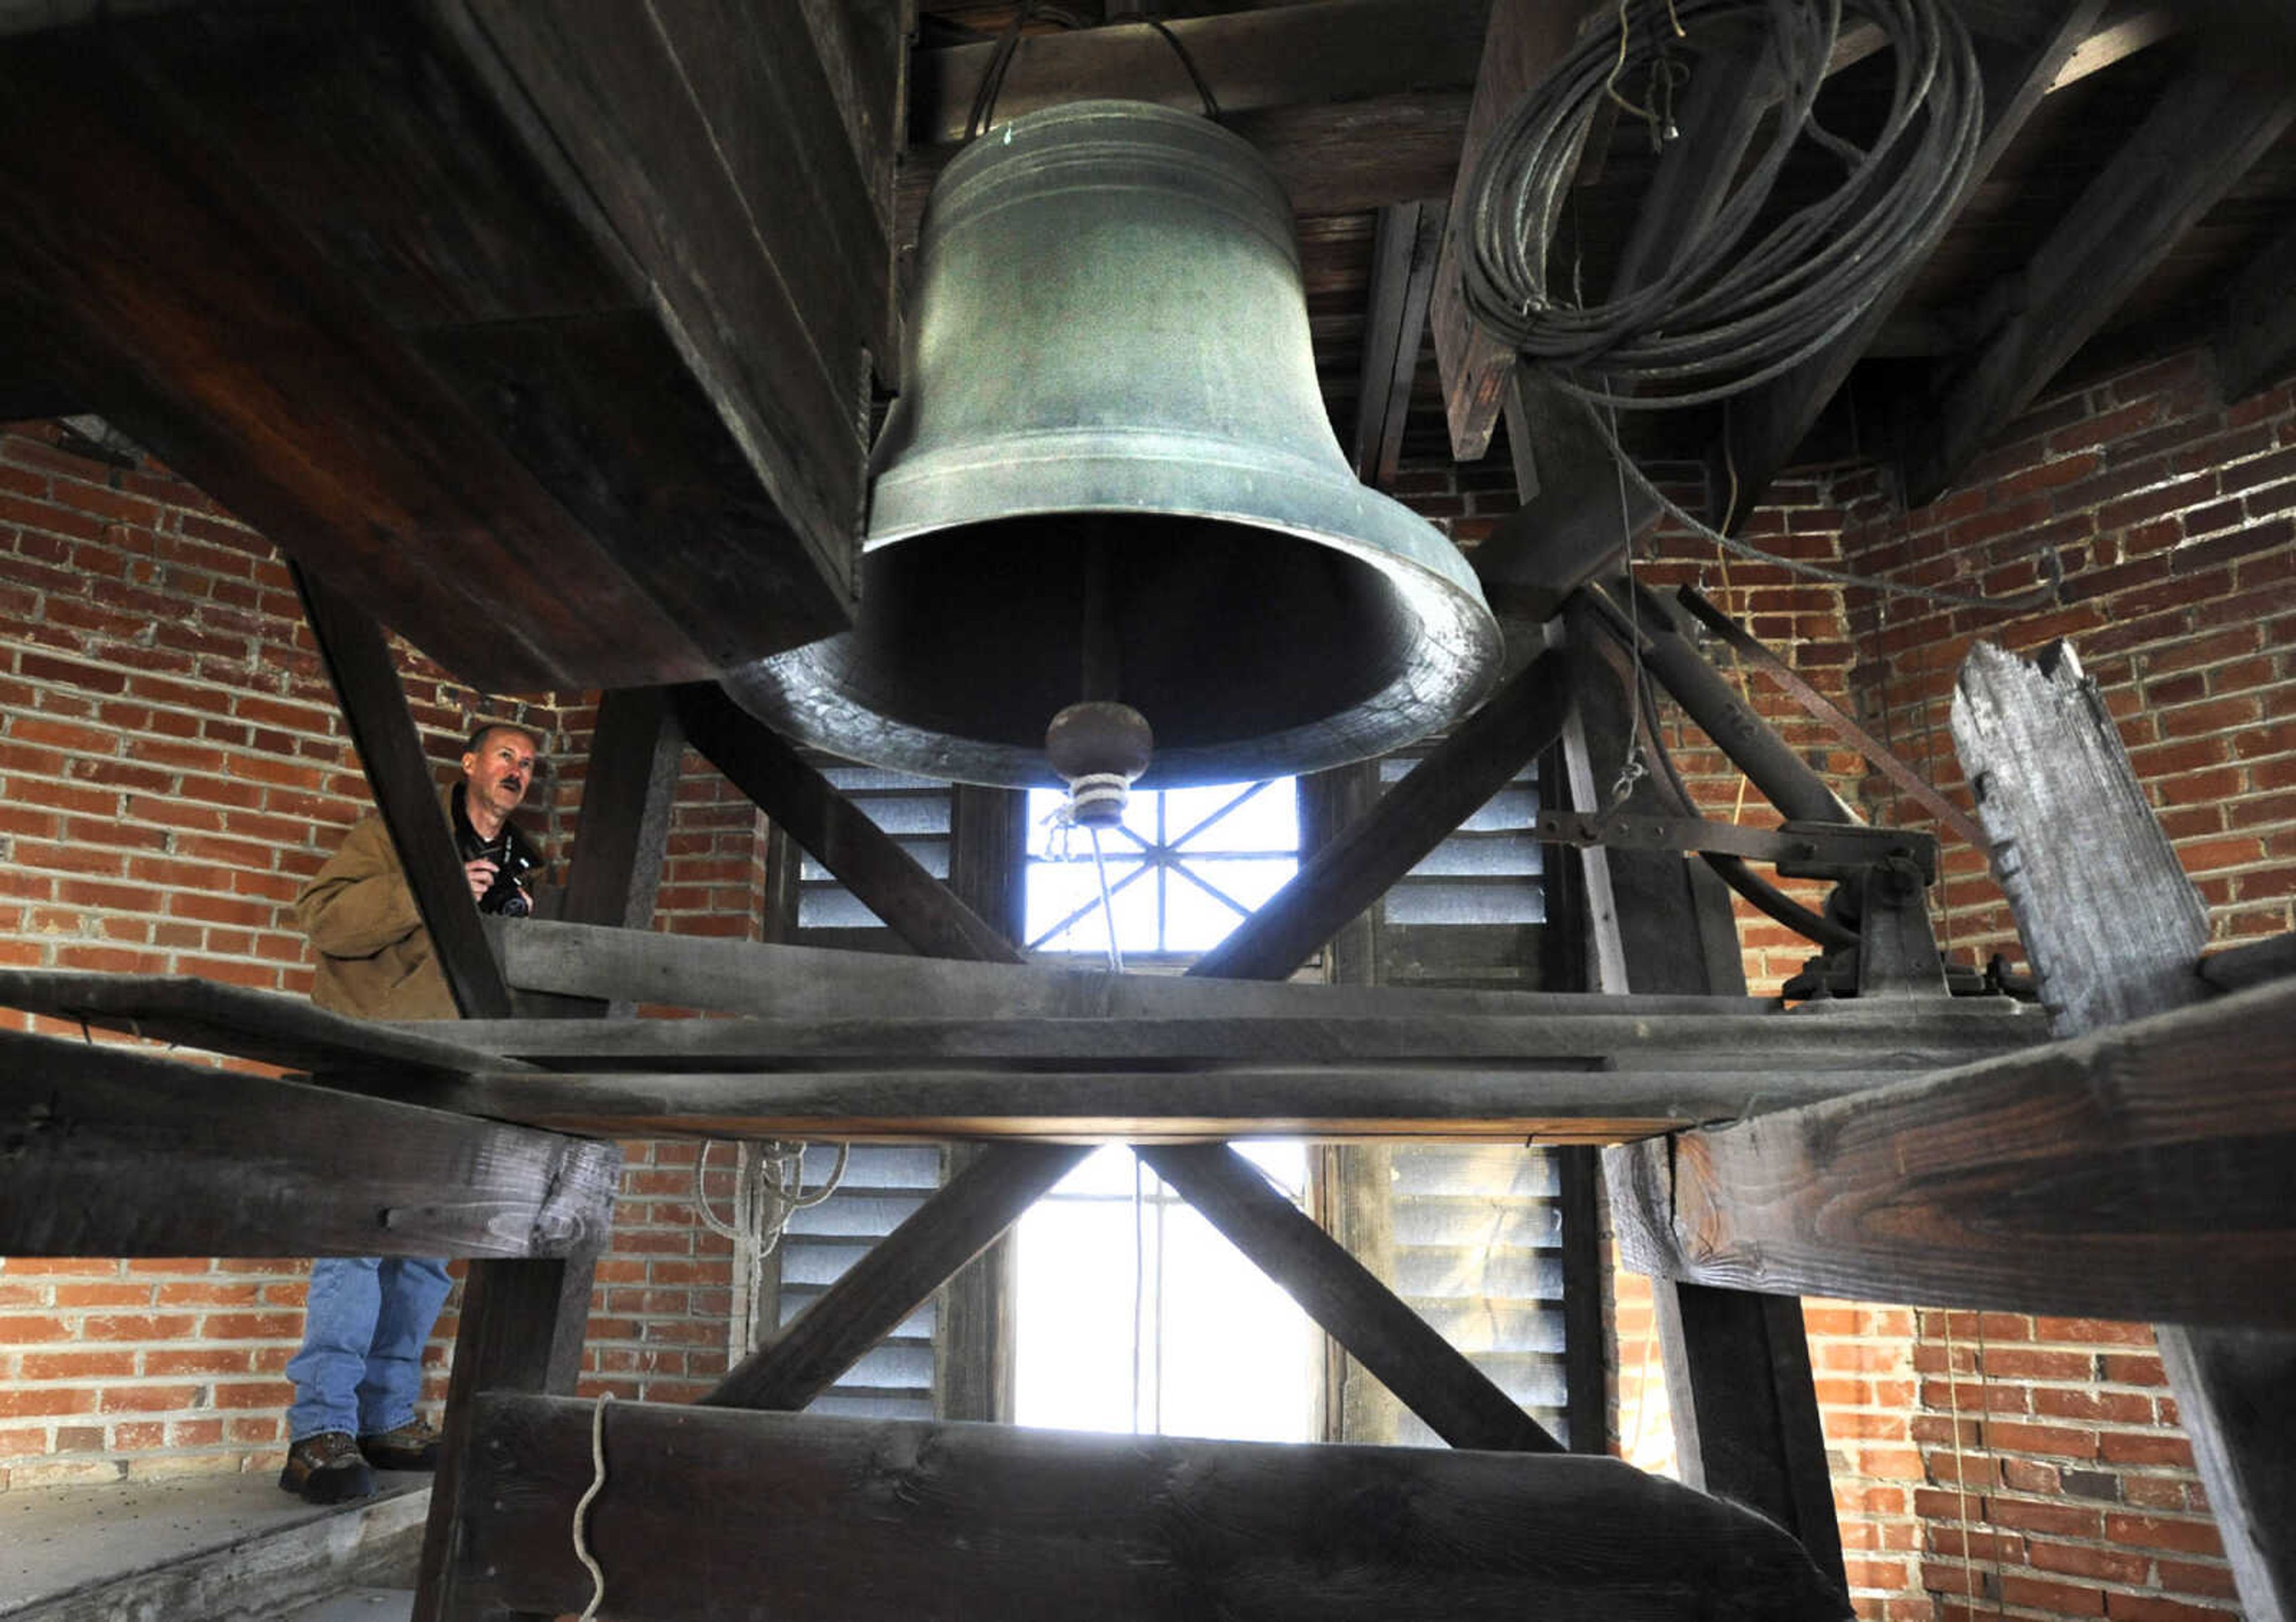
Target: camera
[504, 897]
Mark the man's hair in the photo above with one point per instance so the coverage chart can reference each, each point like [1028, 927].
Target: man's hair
[479, 736]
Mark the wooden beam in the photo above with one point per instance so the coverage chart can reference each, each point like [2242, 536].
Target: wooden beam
[2114, 930]
[777, 982]
[519, 1333]
[2208, 130]
[893, 1277]
[626, 791]
[1276, 56]
[366, 677]
[882, 1521]
[110, 1152]
[1328, 1103]
[628, 785]
[1524, 42]
[1578, 1214]
[340, 270]
[2138, 1172]
[859, 854]
[1414, 816]
[1762, 429]
[973, 1376]
[1336, 158]
[220, 1018]
[1432, 1377]
[1404, 251]
[1577, 509]
[1660, 923]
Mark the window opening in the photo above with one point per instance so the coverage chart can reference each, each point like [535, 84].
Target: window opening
[1133, 1313]
[1184, 867]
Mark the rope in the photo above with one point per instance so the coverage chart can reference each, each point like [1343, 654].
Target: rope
[770, 1202]
[582, 1508]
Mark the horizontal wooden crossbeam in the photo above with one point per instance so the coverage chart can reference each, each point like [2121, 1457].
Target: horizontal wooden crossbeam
[704, 1510]
[220, 1018]
[2140, 1172]
[108, 1152]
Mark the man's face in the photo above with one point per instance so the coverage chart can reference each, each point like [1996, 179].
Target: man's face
[499, 769]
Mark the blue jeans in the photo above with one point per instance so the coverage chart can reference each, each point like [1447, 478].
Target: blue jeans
[360, 1368]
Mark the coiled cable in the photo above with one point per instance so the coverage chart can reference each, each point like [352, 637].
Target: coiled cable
[1727, 314]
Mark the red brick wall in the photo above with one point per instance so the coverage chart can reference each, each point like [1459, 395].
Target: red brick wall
[172, 769]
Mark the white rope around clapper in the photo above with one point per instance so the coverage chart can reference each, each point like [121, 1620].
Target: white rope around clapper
[582, 1507]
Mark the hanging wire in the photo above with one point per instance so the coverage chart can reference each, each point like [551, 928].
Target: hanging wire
[1727, 313]
[1008, 45]
[1107, 907]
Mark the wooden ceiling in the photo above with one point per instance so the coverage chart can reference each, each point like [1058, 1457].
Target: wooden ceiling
[552, 348]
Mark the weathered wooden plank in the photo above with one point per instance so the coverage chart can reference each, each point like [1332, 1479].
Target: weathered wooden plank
[1275, 56]
[110, 1152]
[1326, 1102]
[2054, 788]
[2137, 1171]
[862, 856]
[1524, 41]
[1621, 1045]
[1359, 864]
[1434, 1380]
[220, 1018]
[366, 679]
[2208, 130]
[2114, 928]
[884, 1520]
[1404, 251]
[779, 982]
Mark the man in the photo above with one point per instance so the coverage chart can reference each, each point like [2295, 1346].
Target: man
[359, 1370]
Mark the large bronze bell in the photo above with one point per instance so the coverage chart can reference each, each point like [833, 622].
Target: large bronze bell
[1111, 476]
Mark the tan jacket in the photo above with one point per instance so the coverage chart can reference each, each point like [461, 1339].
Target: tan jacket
[375, 958]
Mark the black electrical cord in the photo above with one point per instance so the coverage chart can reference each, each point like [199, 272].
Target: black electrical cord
[1725, 315]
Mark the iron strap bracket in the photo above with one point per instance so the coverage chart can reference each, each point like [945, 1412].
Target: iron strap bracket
[1799, 849]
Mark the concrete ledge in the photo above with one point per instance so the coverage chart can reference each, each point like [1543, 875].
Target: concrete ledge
[201, 1549]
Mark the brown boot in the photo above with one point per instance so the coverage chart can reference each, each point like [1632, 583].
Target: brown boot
[413, 1445]
[327, 1469]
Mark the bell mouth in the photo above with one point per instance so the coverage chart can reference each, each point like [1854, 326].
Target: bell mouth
[1252, 652]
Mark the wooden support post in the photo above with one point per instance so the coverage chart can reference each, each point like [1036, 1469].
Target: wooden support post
[1670, 928]
[627, 789]
[521, 1331]
[703, 1512]
[2114, 930]
[1434, 1380]
[989, 871]
[358, 662]
[1404, 252]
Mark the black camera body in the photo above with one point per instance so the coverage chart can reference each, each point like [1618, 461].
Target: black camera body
[505, 896]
